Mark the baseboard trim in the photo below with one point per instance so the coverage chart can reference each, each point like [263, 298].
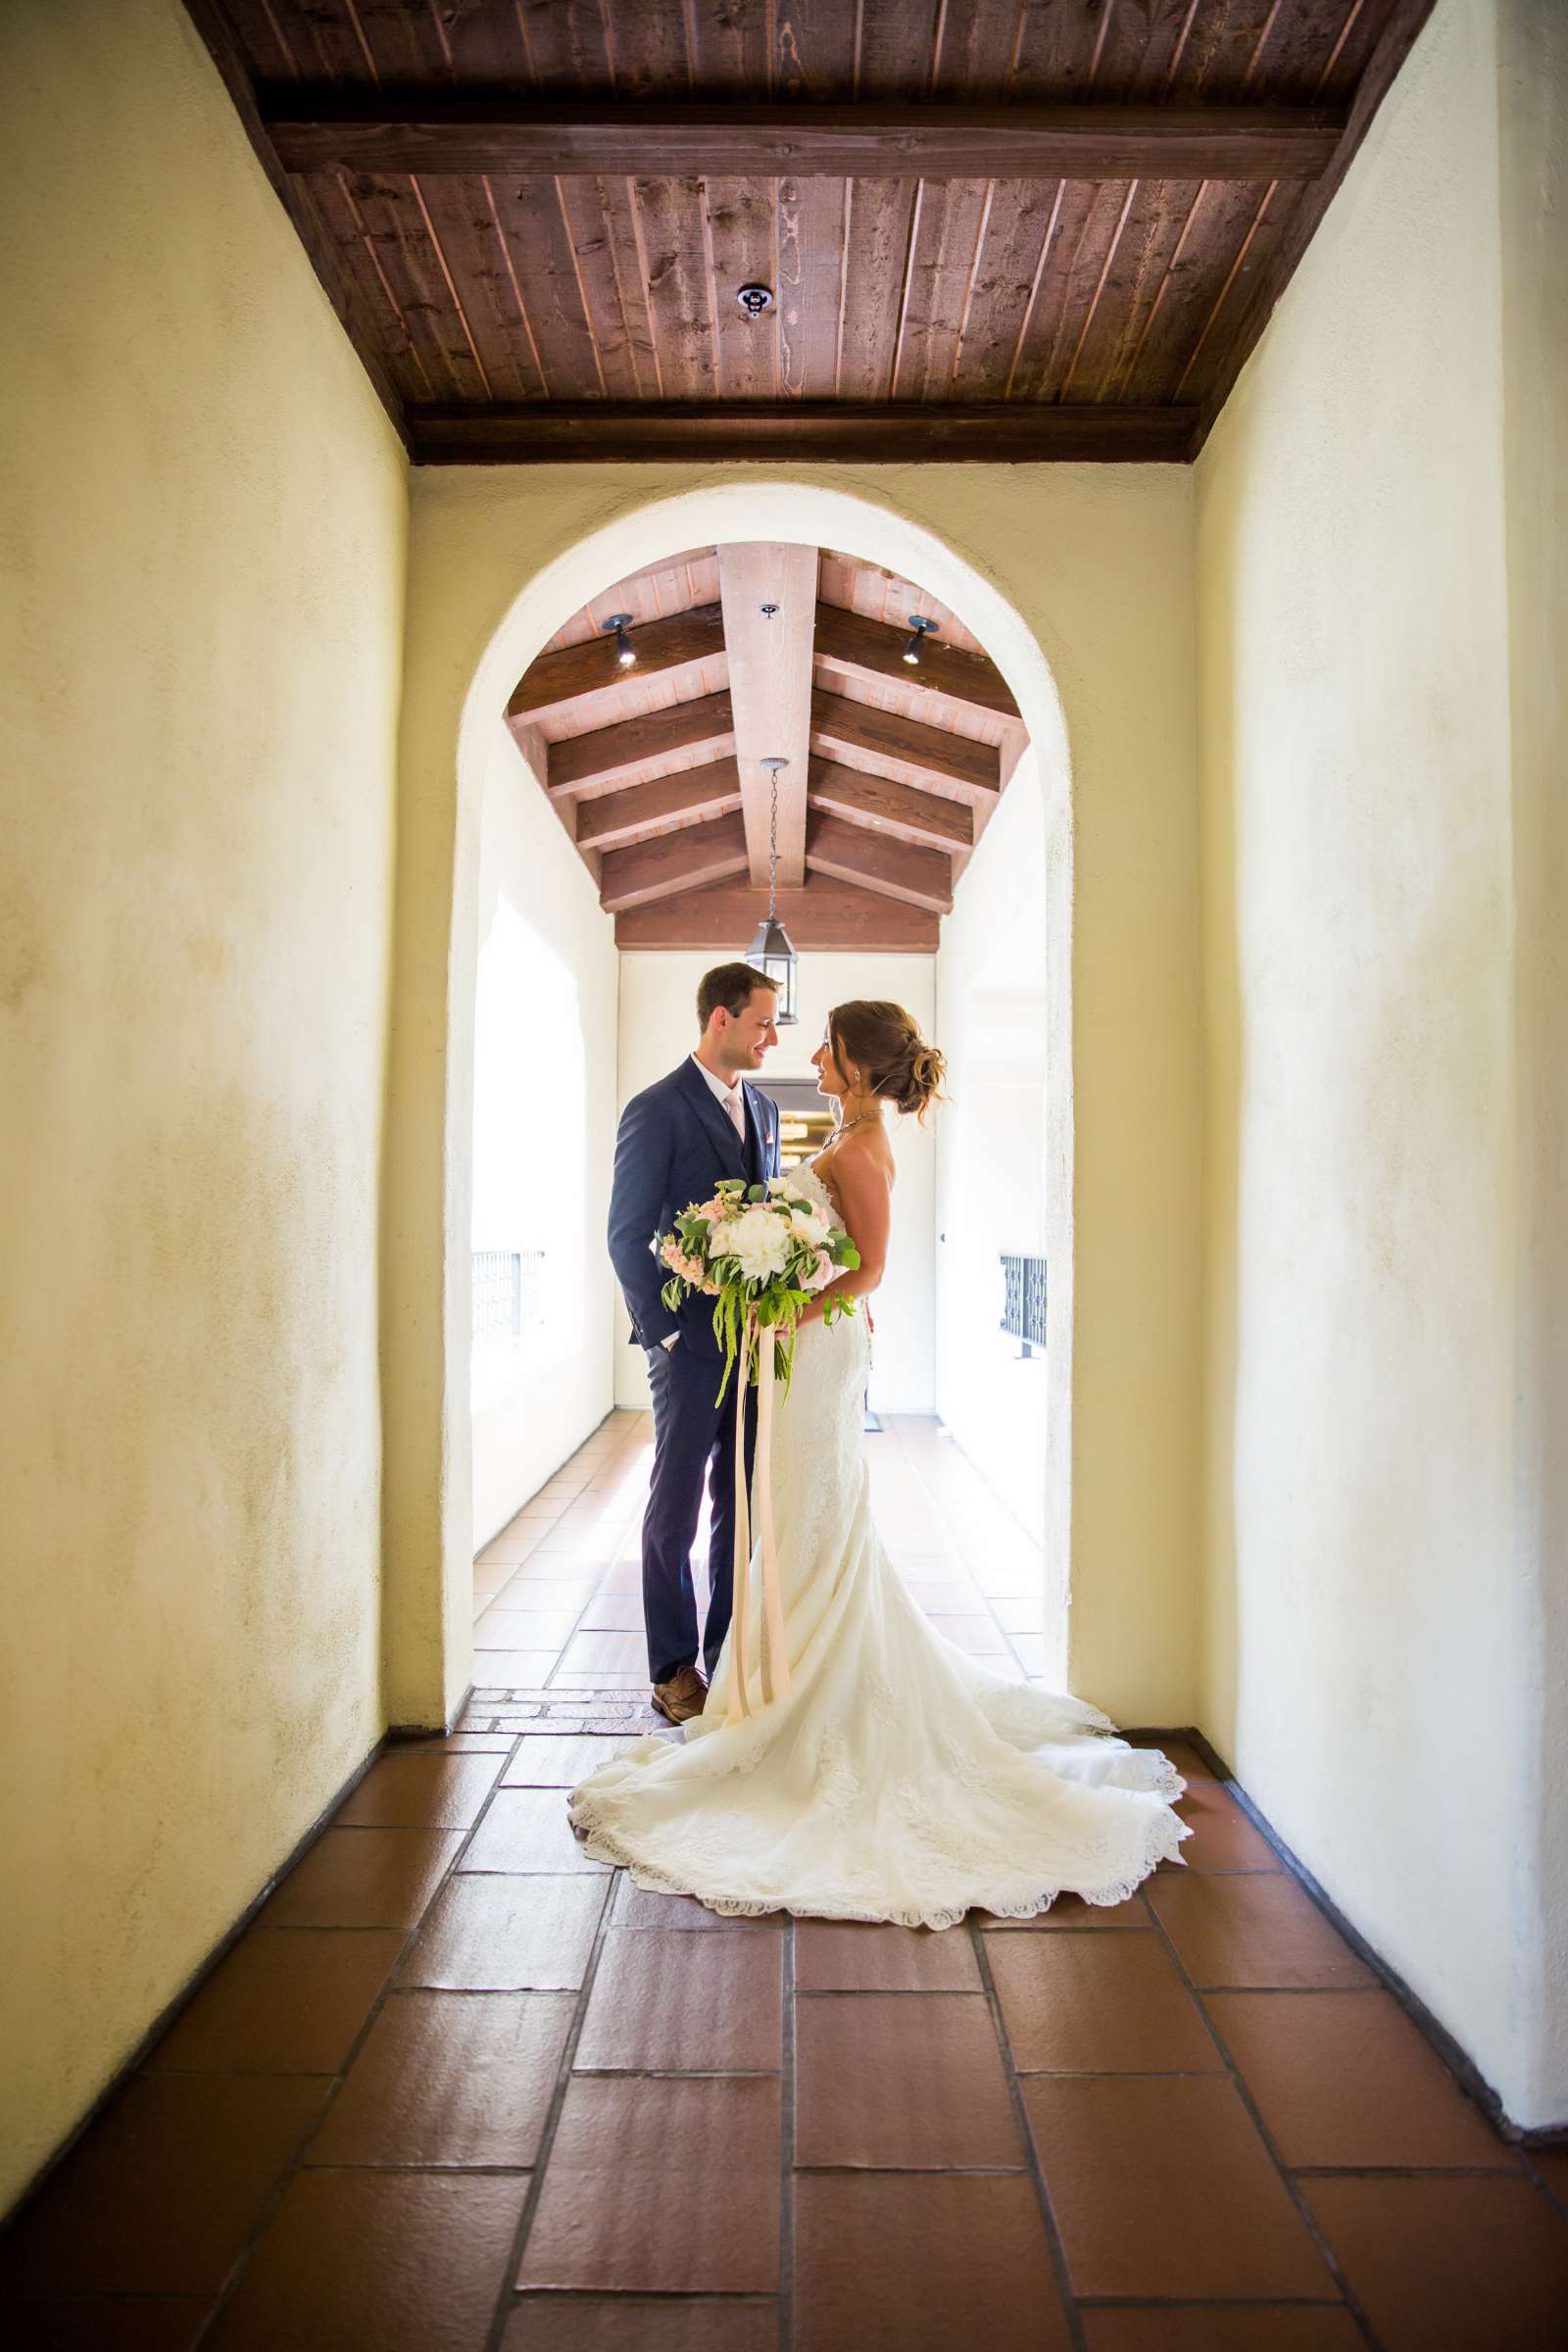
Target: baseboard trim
[431, 1731]
[1454, 2056]
[188, 1990]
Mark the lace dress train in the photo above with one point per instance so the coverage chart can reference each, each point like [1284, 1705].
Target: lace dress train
[896, 1779]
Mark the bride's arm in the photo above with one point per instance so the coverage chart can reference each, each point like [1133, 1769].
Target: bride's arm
[865, 1191]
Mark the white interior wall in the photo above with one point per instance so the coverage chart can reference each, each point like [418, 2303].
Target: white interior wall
[545, 1110]
[658, 1024]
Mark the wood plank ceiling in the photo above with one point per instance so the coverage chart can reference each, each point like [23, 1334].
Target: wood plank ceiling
[1020, 228]
[742, 653]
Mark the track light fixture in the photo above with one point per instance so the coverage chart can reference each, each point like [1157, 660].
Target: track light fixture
[920, 629]
[626, 651]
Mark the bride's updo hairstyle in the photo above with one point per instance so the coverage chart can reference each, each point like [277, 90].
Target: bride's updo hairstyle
[882, 1042]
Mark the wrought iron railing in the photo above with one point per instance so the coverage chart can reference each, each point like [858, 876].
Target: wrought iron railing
[505, 1292]
[1023, 1312]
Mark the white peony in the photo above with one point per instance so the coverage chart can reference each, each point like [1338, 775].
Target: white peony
[808, 1225]
[758, 1241]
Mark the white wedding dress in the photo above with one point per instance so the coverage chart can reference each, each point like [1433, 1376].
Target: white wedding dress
[896, 1779]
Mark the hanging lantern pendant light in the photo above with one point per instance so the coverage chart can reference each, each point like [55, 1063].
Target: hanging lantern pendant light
[773, 951]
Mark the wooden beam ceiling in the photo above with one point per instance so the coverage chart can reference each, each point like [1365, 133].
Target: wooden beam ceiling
[610, 819]
[768, 595]
[429, 132]
[896, 870]
[676, 862]
[609, 755]
[595, 661]
[860, 732]
[882, 805]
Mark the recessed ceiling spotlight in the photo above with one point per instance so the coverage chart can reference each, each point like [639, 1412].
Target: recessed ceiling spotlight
[626, 651]
[755, 300]
[920, 629]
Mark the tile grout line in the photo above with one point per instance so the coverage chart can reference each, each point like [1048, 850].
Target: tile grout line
[1032, 2163]
[786, 2150]
[334, 2082]
[1244, 2093]
[914, 1470]
[507, 2295]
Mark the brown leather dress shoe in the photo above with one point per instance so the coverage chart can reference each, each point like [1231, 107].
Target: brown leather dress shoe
[682, 1696]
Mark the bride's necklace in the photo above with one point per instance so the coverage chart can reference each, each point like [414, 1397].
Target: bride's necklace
[844, 1126]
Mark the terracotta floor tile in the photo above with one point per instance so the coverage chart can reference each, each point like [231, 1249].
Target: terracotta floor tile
[641, 1907]
[1470, 2265]
[548, 1585]
[1211, 2327]
[546, 2323]
[423, 1792]
[1251, 1931]
[523, 1629]
[567, 1682]
[509, 1935]
[118, 2216]
[554, 1762]
[511, 1551]
[711, 2006]
[614, 1612]
[1222, 1838]
[1091, 2005]
[283, 2001]
[1551, 2163]
[362, 1879]
[1187, 1760]
[617, 1652]
[666, 2186]
[401, 2262]
[526, 1830]
[870, 2092]
[1071, 1911]
[1164, 2187]
[92, 2323]
[833, 1956]
[450, 2079]
[910, 2262]
[512, 1669]
[1345, 2078]
[464, 1744]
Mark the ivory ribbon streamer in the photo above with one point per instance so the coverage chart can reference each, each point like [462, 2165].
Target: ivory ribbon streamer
[775, 1675]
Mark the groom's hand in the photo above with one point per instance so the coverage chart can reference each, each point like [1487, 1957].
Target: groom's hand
[671, 1341]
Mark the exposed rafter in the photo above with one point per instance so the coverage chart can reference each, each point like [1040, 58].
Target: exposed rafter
[610, 819]
[430, 132]
[896, 870]
[610, 754]
[676, 862]
[857, 732]
[595, 663]
[882, 805]
[855, 642]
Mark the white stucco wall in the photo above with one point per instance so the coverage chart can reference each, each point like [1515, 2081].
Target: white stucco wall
[544, 1127]
[202, 541]
[1381, 1506]
[658, 1024]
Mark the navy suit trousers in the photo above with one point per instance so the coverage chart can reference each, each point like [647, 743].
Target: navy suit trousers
[693, 1438]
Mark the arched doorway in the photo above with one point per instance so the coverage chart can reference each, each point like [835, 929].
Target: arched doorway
[448, 728]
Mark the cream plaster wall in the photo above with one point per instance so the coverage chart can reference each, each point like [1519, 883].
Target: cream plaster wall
[1079, 581]
[658, 1024]
[1384, 1146]
[545, 1123]
[992, 1152]
[202, 543]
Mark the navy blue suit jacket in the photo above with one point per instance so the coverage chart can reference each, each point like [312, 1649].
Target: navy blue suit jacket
[675, 1145]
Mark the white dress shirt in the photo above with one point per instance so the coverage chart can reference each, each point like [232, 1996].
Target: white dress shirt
[735, 1110]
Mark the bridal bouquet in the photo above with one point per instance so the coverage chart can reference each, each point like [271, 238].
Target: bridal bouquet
[759, 1252]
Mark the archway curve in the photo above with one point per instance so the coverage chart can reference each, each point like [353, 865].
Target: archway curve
[428, 1533]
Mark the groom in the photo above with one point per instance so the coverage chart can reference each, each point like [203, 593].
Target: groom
[677, 1139]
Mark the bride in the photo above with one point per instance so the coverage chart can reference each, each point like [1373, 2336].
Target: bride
[894, 1778]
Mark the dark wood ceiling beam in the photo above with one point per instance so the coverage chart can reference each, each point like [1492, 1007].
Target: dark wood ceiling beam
[706, 432]
[876, 648]
[607, 756]
[691, 796]
[857, 731]
[881, 805]
[768, 593]
[824, 915]
[673, 643]
[429, 132]
[676, 862]
[895, 870]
